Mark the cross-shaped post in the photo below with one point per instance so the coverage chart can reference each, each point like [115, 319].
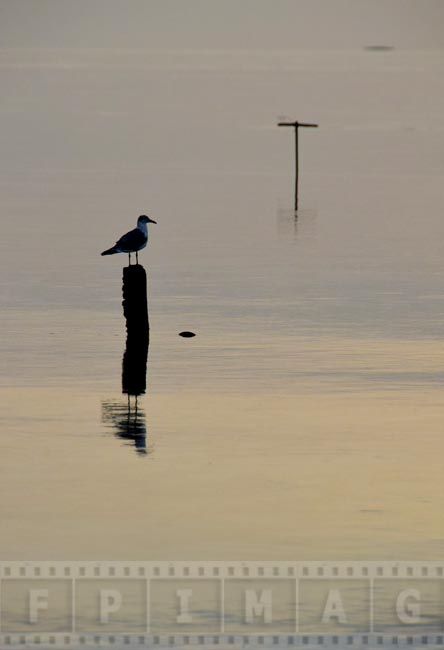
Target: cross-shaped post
[296, 126]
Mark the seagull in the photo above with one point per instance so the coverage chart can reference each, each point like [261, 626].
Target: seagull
[133, 241]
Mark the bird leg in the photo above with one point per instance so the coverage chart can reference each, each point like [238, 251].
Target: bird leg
[137, 257]
[129, 259]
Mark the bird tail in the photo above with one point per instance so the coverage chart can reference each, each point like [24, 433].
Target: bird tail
[110, 251]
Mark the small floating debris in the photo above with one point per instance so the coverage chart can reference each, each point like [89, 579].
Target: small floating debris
[379, 48]
[187, 335]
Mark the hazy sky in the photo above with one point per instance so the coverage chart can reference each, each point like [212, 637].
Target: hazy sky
[226, 24]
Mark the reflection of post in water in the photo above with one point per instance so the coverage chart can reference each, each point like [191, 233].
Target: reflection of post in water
[127, 418]
[287, 222]
[127, 421]
[296, 225]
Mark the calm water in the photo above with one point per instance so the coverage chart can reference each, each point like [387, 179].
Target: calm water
[305, 418]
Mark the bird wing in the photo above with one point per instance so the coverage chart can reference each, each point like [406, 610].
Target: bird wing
[133, 240]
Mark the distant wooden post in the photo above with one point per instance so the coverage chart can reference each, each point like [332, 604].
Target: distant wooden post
[296, 126]
[135, 310]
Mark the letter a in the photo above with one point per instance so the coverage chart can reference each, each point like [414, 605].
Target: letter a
[334, 607]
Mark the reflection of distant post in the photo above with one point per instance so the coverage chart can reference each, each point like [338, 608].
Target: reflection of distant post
[296, 126]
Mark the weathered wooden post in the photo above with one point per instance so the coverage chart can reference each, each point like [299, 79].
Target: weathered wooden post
[135, 309]
[296, 126]
[135, 300]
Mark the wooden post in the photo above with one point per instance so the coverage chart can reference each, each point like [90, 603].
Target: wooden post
[135, 309]
[135, 301]
[296, 166]
[296, 126]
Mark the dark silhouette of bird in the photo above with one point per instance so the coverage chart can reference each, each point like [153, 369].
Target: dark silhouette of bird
[133, 241]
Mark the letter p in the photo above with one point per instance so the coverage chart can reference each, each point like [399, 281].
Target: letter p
[110, 603]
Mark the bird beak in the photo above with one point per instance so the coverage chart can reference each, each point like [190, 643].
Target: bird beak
[152, 220]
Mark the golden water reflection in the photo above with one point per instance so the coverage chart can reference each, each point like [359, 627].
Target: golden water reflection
[315, 471]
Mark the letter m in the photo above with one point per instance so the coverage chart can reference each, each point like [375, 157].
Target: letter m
[258, 606]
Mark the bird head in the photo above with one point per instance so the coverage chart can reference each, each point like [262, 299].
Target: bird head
[144, 219]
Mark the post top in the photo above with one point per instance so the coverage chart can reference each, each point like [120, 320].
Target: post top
[297, 124]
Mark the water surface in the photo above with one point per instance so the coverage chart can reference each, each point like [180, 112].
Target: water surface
[305, 418]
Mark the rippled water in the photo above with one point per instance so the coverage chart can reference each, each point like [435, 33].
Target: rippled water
[304, 420]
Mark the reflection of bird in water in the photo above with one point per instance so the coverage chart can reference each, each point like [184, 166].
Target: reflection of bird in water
[128, 422]
[133, 241]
